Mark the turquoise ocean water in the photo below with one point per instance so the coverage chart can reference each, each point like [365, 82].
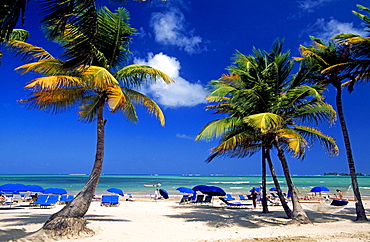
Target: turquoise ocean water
[133, 184]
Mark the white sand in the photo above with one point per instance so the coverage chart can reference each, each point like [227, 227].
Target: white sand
[146, 220]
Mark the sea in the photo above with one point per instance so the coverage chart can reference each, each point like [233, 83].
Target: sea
[134, 184]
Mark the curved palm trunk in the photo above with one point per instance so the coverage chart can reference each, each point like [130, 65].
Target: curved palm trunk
[287, 210]
[360, 211]
[263, 198]
[298, 213]
[70, 218]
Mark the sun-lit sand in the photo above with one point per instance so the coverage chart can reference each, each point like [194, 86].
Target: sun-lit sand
[147, 220]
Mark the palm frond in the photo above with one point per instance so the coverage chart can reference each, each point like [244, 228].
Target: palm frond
[144, 101]
[218, 127]
[88, 110]
[137, 75]
[52, 82]
[48, 67]
[53, 100]
[314, 135]
[265, 122]
[98, 77]
[26, 51]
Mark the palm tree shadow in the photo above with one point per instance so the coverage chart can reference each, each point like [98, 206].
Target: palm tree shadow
[222, 217]
[27, 219]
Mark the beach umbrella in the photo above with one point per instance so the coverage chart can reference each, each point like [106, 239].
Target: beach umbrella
[164, 193]
[115, 190]
[185, 190]
[257, 189]
[210, 190]
[58, 191]
[273, 189]
[320, 189]
[35, 188]
[13, 188]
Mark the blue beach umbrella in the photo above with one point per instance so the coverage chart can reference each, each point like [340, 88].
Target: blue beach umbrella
[273, 189]
[257, 189]
[210, 190]
[116, 190]
[35, 188]
[185, 190]
[164, 193]
[320, 189]
[57, 191]
[13, 188]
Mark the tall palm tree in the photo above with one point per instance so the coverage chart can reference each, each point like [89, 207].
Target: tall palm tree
[109, 82]
[333, 66]
[263, 105]
[57, 14]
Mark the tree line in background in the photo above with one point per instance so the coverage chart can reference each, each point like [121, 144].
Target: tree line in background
[264, 106]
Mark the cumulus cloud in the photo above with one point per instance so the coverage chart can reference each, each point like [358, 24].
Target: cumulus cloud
[169, 29]
[326, 29]
[182, 93]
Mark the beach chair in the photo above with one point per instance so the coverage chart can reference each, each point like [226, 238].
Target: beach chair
[200, 199]
[243, 198]
[40, 199]
[208, 199]
[109, 200]
[229, 197]
[184, 199]
[235, 204]
[9, 200]
[50, 201]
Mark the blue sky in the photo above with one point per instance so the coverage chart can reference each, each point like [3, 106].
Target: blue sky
[193, 42]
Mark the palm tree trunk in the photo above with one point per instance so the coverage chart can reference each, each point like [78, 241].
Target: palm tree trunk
[360, 210]
[287, 210]
[263, 198]
[69, 220]
[298, 213]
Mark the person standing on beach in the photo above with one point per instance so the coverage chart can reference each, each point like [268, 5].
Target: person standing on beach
[254, 194]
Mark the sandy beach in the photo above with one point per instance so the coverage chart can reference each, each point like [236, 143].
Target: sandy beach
[166, 220]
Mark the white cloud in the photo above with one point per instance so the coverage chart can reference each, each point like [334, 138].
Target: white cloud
[310, 5]
[184, 136]
[326, 30]
[179, 94]
[169, 29]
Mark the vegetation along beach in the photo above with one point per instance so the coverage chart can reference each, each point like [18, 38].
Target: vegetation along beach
[257, 111]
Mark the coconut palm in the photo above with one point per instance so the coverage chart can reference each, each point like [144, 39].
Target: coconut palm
[264, 106]
[107, 83]
[333, 66]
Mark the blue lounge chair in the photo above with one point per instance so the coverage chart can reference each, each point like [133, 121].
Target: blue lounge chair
[235, 204]
[50, 202]
[200, 199]
[243, 198]
[109, 200]
[229, 197]
[184, 199]
[208, 199]
[66, 199]
[40, 199]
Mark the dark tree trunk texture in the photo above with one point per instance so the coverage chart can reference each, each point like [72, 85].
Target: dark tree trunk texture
[70, 221]
[287, 210]
[298, 213]
[360, 210]
[264, 195]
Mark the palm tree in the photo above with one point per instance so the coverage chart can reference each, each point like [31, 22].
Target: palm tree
[263, 105]
[107, 83]
[333, 64]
